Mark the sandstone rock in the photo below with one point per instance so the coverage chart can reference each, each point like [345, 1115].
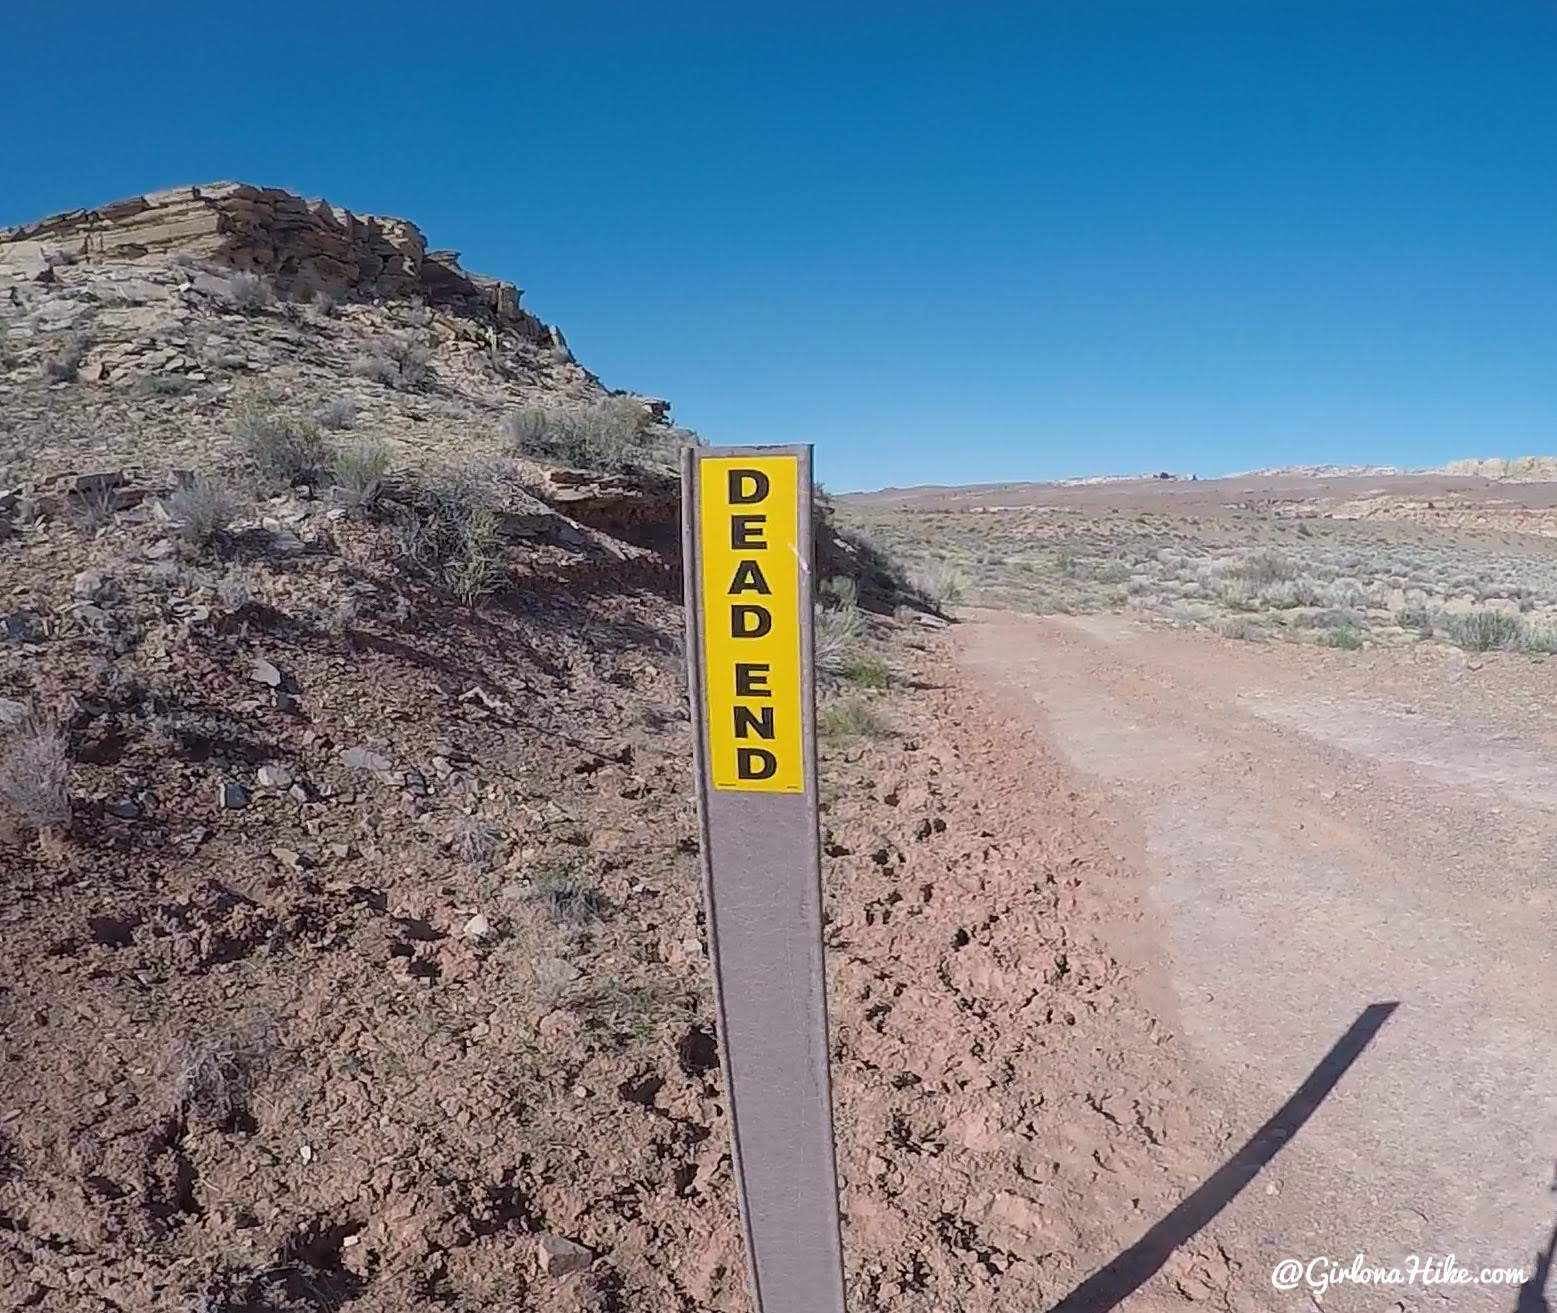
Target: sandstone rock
[363, 759]
[300, 246]
[557, 1256]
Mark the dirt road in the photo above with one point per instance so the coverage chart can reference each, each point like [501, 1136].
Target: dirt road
[1320, 832]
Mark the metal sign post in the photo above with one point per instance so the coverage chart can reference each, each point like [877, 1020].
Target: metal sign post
[747, 539]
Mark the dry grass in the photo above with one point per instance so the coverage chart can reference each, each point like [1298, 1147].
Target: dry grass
[34, 775]
[204, 510]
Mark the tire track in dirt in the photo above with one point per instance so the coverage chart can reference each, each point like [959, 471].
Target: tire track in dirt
[1011, 1115]
[1317, 833]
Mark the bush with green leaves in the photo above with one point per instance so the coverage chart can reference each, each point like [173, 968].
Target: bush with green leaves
[360, 471]
[285, 449]
[1483, 631]
[866, 672]
[615, 434]
[837, 633]
[1342, 636]
[850, 717]
[451, 527]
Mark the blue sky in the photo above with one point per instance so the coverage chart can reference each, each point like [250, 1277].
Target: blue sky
[944, 243]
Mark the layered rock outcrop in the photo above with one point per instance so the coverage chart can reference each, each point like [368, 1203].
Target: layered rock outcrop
[301, 246]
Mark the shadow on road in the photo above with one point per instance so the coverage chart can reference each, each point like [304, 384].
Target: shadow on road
[1532, 1295]
[1109, 1285]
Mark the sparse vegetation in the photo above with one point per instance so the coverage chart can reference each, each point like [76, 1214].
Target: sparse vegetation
[285, 449]
[204, 510]
[165, 385]
[396, 363]
[866, 672]
[452, 528]
[246, 292]
[940, 584]
[615, 434]
[1482, 631]
[1224, 574]
[359, 471]
[212, 1076]
[839, 591]
[852, 716]
[92, 508]
[474, 841]
[1342, 636]
[340, 413]
[837, 633]
[565, 898]
[34, 775]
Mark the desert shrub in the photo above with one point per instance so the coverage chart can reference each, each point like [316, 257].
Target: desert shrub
[839, 591]
[527, 429]
[92, 508]
[474, 841]
[1238, 628]
[284, 448]
[1263, 567]
[476, 569]
[211, 1077]
[615, 434]
[565, 898]
[1343, 594]
[1284, 594]
[1343, 636]
[1331, 617]
[246, 292]
[850, 717]
[1539, 638]
[377, 369]
[204, 510]
[940, 584]
[63, 363]
[451, 528]
[396, 363]
[360, 471]
[341, 413]
[837, 633]
[34, 775]
[866, 672]
[164, 385]
[1417, 616]
[1482, 631]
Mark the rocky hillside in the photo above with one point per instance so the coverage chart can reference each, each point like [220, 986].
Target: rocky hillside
[133, 338]
[354, 954]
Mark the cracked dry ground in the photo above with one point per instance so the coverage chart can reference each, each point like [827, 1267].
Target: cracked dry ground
[259, 1061]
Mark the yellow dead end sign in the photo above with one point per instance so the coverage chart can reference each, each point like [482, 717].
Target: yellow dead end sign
[747, 542]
